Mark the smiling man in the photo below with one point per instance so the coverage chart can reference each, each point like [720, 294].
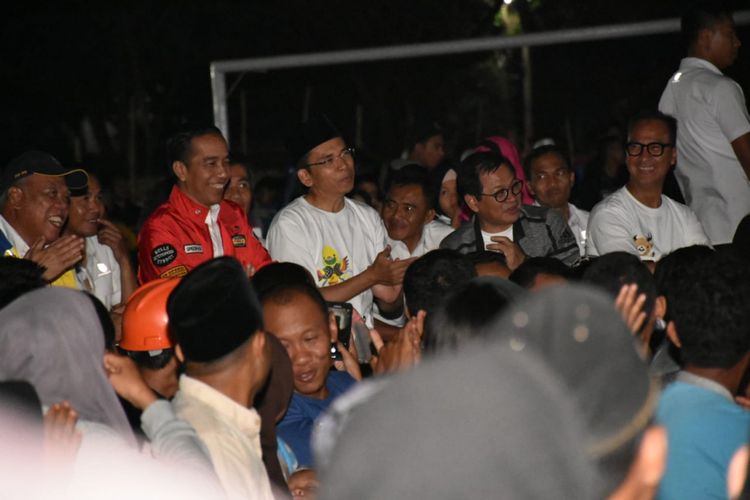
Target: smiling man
[637, 218]
[34, 203]
[196, 223]
[488, 185]
[409, 216]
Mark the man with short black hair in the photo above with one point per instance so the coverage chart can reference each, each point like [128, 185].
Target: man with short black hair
[218, 327]
[713, 141]
[409, 216]
[196, 224]
[705, 426]
[638, 218]
[34, 200]
[550, 181]
[341, 242]
[487, 182]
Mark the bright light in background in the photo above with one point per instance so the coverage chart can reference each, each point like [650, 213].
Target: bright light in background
[507, 2]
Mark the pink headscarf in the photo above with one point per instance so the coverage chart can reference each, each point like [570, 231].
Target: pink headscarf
[508, 150]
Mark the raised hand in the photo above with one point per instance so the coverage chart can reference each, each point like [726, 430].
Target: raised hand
[58, 256]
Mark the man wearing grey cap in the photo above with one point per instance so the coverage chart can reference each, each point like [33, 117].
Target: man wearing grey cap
[340, 241]
[34, 198]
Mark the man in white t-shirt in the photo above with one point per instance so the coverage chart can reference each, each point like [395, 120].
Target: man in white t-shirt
[713, 137]
[550, 181]
[409, 216]
[637, 218]
[341, 242]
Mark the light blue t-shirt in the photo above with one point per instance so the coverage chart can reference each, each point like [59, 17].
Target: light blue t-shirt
[705, 427]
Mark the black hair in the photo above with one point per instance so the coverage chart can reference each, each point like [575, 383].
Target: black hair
[414, 174]
[279, 274]
[486, 257]
[179, 144]
[284, 293]
[19, 276]
[467, 309]
[702, 15]
[541, 151]
[613, 270]
[648, 115]
[525, 274]
[237, 158]
[430, 277]
[422, 131]
[711, 313]
[473, 166]
[108, 327]
[150, 361]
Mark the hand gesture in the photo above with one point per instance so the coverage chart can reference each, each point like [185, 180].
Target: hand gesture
[58, 256]
[110, 235]
[630, 307]
[127, 381]
[514, 256]
[61, 438]
[404, 351]
[387, 271]
[350, 359]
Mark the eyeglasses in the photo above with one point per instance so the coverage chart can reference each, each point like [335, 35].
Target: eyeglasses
[502, 194]
[345, 155]
[653, 148]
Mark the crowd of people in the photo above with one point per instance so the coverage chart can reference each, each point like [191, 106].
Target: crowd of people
[443, 330]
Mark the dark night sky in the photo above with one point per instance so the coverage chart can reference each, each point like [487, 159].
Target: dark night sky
[62, 61]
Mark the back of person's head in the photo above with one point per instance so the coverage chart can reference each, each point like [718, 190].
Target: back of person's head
[541, 151]
[414, 174]
[17, 277]
[702, 15]
[422, 131]
[489, 263]
[145, 325]
[576, 330]
[711, 313]
[532, 268]
[675, 270]
[278, 274]
[430, 277]
[480, 424]
[613, 270]
[179, 144]
[213, 311]
[465, 311]
[654, 115]
[473, 166]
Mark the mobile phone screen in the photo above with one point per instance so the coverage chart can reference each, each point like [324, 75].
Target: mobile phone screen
[343, 313]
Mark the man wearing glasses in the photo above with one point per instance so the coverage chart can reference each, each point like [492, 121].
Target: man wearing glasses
[488, 185]
[637, 218]
[340, 241]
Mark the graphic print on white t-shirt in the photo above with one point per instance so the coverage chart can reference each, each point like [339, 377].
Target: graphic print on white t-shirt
[334, 269]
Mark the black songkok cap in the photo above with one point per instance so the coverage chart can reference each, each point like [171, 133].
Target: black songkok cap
[307, 135]
[213, 310]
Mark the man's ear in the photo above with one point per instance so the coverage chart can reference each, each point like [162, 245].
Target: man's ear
[304, 177]
[471, 202]
[258, 344]
[15, 195]
[333, 327]
[530, 188]
[429, 216]
[672, 334]
[572, 177]
[180, 170]
[179, 354]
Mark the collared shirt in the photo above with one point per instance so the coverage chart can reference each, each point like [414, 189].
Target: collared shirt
[711, 112]
[181, 234]
[578, 219]
[432, 234]
[101, 273]
[705, 383]
[231, 433]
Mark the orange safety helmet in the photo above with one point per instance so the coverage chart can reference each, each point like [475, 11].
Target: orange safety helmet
[144, 322]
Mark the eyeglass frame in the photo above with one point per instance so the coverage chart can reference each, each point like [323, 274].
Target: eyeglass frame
[343, 155]
[647, 147]
[508, 191]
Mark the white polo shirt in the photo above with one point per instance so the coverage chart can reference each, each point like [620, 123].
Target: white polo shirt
[711, 113]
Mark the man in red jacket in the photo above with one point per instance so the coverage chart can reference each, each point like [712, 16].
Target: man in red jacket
[196, 224]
